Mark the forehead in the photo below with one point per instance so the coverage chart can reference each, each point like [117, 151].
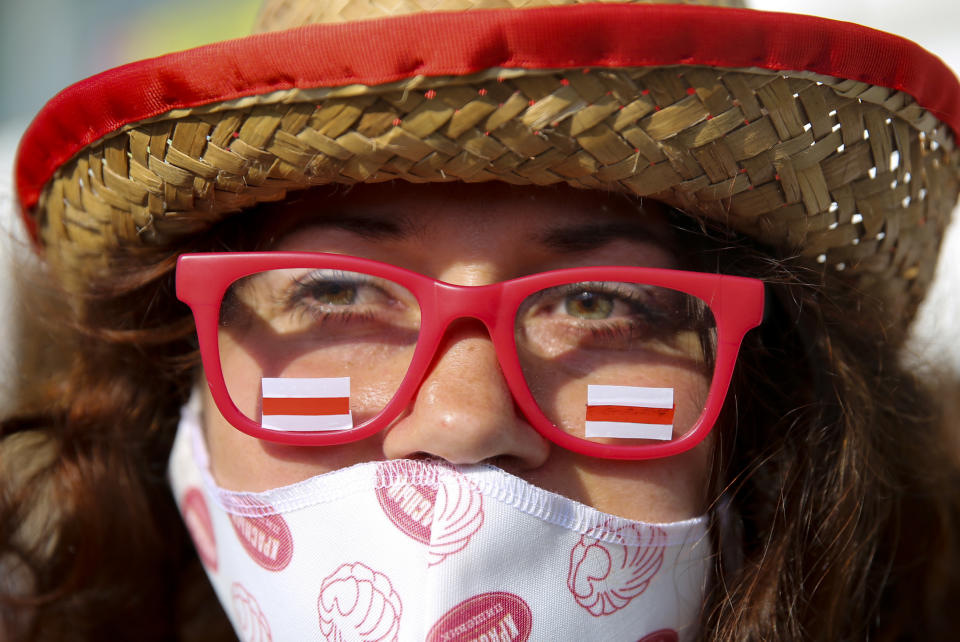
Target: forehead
[477, 211]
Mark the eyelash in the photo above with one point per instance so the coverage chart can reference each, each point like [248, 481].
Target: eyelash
[298, 292]
[639, 320]
[631, 297]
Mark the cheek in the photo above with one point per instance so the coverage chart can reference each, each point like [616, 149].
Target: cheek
[241, 374]
[660, 490]
[562, 393]
[375, 368]
[240, 462]
[243, 463]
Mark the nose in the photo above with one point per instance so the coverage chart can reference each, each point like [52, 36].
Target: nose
[463, 411]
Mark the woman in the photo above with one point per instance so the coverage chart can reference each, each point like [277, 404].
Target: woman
[392, 444]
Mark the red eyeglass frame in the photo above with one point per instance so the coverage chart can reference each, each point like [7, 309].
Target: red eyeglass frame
[736, 304]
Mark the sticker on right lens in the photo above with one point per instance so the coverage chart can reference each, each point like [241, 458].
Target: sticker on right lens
[629, 412]
[306, 403]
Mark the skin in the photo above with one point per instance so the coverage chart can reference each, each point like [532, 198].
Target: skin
[463, 411]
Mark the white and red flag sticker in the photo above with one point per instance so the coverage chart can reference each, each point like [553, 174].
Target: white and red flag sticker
[630, 412]
[306, 403]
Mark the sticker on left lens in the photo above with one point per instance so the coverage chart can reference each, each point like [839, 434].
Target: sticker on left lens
[306, 403]
[629, 412]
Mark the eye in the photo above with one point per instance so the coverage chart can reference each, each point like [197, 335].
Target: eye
[588, 305]
[333, 293]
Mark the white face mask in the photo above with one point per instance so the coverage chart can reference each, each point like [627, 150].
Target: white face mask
[423, 551]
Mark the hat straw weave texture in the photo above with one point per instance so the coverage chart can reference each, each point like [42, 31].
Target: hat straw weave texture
[855, 176]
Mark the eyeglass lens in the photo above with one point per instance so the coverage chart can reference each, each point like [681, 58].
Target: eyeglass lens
[617, 362]
[325, 350]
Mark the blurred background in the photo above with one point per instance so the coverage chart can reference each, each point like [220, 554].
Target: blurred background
[46, 45]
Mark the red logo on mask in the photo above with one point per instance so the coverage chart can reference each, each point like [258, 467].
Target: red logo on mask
[434, 506]
[266, 539]
[409, 506]
[196, 516]
[499, 616]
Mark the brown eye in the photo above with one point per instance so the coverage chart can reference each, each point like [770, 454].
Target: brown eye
[588, 305]
[334, 293]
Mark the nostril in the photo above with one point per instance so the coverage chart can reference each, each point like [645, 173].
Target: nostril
[425, 457]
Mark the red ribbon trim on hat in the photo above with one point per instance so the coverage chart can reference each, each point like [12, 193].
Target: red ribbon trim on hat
[436, 44]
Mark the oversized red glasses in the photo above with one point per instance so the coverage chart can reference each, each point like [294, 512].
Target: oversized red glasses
[318, 349]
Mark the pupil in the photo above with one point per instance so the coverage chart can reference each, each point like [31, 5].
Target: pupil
[589, 305]
[337, 294]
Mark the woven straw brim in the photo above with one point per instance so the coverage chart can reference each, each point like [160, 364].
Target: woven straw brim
[857, 178]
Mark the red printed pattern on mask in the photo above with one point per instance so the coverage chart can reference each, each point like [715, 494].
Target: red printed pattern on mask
[358, 603]
[443, 513]
[604, 577]
[499, 616]
[409, 507]
[196, 516]
[251, 624]
[266, 539]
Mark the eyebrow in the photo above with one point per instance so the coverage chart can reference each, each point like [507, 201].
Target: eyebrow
[569, 238]
[590, 236]
[370, 227]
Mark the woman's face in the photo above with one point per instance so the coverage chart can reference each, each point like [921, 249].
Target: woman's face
[463, 411]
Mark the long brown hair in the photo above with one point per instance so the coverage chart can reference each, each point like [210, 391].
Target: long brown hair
[843, 490]
[837, 502]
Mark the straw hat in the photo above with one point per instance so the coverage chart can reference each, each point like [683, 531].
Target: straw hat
[820, 138]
